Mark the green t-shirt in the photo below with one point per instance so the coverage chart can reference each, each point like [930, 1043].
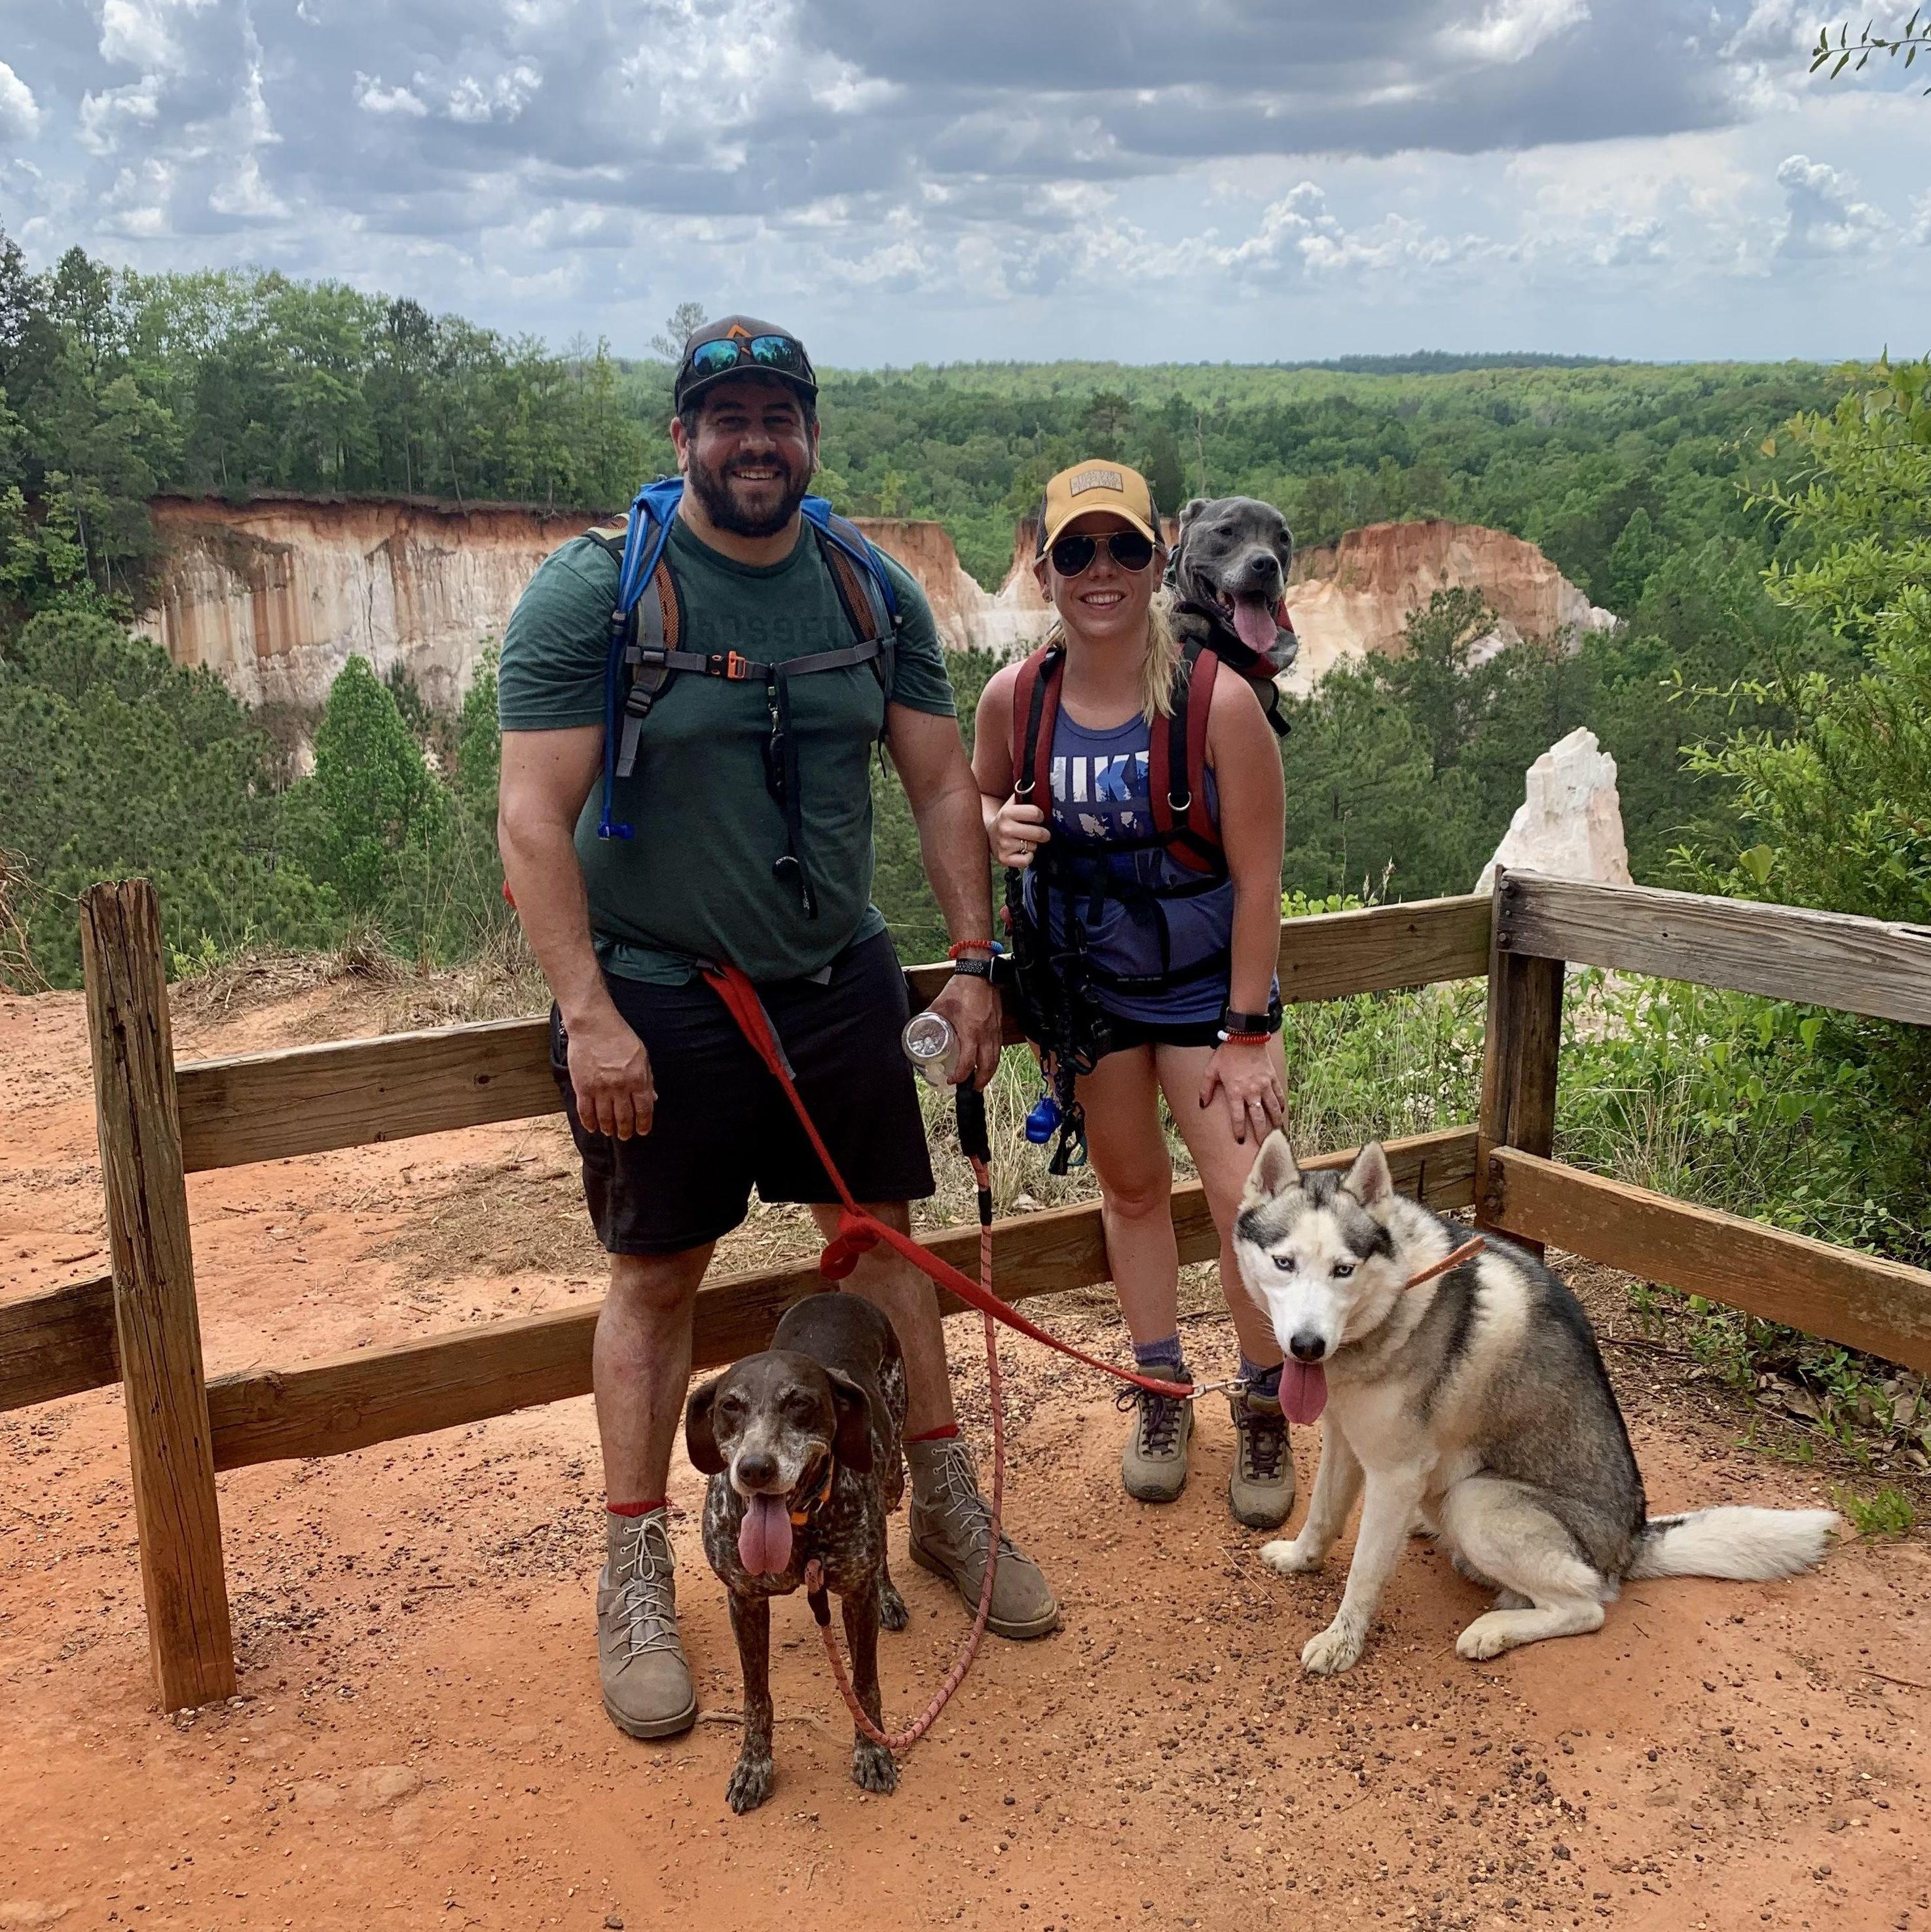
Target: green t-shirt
[695, 881]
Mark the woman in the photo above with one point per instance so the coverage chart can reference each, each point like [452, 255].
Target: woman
[1172, 940]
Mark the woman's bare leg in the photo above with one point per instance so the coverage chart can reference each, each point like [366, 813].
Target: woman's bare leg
[1122, 1099]
[1223, 1164]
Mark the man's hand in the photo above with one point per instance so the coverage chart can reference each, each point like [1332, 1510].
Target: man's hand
[971, 1007]
[610, 1073]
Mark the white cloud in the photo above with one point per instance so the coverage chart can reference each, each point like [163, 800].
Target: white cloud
[141, 33]
[1512, 30]
[19, 111]
[372, 98]
[104, 117]
[501, 98]
[1823, 215]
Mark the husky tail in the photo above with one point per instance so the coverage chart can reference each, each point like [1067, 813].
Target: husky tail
[1746, 1545]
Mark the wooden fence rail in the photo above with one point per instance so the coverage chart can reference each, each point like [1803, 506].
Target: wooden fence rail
[158, 1123]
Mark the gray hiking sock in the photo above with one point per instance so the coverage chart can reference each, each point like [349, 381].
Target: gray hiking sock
[1164, 1358]
[1265, 1383]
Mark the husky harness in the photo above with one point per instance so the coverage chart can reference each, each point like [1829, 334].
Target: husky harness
[1055, 979]
[648, 651]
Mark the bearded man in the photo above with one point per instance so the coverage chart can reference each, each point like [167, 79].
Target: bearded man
[750, 844]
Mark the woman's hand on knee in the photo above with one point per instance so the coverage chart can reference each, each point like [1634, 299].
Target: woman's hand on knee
[1018, 831]
[1249, 1082]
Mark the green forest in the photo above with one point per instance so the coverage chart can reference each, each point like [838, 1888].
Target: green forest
[1763, 531]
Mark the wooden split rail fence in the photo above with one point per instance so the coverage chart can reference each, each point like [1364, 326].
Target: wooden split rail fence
[159, 1122]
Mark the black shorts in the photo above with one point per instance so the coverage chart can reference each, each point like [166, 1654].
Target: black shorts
[1126, 1033]
[723, 1125]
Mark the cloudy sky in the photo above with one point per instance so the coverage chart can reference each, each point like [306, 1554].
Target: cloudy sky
[1195, 179]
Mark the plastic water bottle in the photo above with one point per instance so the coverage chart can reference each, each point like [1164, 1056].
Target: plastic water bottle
[1043, 1122]
[932, 1047]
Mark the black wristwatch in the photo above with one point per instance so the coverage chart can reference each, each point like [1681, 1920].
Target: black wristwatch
[1233, 1022]
[973, 969]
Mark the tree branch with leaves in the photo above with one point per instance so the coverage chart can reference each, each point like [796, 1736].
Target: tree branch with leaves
[1843, 52]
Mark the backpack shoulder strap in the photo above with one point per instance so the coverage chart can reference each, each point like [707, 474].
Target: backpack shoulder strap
[1035, 713]
[1177, 766]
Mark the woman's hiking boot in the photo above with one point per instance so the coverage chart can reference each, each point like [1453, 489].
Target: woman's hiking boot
[647, 1688]
[1260, 1486]
[950, 1532]
[1153, 1463]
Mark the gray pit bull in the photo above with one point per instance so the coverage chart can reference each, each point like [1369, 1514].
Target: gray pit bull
[1229, 571]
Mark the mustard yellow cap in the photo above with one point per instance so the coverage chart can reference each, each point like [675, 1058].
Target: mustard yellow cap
[1097, 485]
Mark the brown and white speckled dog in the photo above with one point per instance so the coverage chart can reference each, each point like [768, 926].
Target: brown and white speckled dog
[802, 1446]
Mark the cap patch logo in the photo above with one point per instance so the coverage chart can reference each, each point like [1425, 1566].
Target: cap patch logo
[1094, 479]
[737, 332]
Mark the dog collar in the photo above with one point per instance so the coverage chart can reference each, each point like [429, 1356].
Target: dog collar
[802, 1515]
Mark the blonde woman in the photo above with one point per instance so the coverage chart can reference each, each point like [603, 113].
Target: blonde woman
[1137, 790]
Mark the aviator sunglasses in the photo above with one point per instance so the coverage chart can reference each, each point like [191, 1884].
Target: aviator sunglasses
[1132, 549]
[777, 353]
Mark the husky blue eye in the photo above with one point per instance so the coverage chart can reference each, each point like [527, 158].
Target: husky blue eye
[1342, 1269]
[1286, 1263]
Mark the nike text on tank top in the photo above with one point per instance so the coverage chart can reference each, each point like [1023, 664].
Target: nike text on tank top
[1151, 936]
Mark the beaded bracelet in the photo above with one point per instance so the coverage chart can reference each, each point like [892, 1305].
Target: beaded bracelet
[1243, 1039]
[965, 946]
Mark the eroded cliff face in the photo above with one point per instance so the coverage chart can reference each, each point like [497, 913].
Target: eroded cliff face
[276, 595]
[1356, 596]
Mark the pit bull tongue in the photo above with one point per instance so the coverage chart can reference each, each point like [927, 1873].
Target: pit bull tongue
[764, 1536]
[1254, 624]
[1303, 1390]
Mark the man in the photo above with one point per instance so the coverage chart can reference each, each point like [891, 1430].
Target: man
[749, 849]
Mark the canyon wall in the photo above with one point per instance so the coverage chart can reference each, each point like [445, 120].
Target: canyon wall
[1350, 598]
[275, 595]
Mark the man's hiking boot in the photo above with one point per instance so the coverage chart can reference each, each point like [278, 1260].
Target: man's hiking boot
[951, 1531]
[1154, 1464]
[647, 1687]
[1260, 1487]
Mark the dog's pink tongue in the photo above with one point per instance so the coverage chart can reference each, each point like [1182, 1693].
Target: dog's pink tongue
[764, 1538]
[1303, 1390]
[1254, 624]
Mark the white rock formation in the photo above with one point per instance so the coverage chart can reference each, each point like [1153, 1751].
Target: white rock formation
[1571, 823]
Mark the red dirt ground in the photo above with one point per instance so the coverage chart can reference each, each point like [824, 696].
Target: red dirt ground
[419, 1741]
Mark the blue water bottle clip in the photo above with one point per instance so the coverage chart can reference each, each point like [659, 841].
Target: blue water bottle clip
[1043, 1122]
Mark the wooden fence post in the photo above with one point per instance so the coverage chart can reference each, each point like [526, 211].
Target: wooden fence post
[159, 1329]
[1520, 1051]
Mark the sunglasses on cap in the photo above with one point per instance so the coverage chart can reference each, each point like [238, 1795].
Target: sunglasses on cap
[1131, 550]
[779, 354]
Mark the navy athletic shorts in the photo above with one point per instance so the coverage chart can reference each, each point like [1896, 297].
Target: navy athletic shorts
[722, 1124]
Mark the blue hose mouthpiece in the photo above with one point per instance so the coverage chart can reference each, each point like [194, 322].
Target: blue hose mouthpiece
[1043, 1122]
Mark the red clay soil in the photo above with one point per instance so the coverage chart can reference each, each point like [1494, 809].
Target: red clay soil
[419, 1740]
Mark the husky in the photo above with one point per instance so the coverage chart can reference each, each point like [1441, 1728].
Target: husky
[1474, 1406]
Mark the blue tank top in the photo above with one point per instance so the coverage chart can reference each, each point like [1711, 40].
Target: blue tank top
[1101, 884]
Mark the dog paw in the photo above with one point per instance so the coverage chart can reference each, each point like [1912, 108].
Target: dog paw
[873, 1768]
[893, 1614]
[751, 1783]
[1337, 1648]
[1288, 1559]
[1488, 1636]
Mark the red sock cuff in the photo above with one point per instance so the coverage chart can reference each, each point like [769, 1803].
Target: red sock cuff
[944, 1435]
[634, 1509]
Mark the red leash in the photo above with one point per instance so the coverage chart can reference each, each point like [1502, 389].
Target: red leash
[858, 1230]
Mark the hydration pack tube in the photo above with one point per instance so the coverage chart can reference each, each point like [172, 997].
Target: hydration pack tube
[865, 590]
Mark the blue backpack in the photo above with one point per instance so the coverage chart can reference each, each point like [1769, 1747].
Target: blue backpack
[645, 649]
